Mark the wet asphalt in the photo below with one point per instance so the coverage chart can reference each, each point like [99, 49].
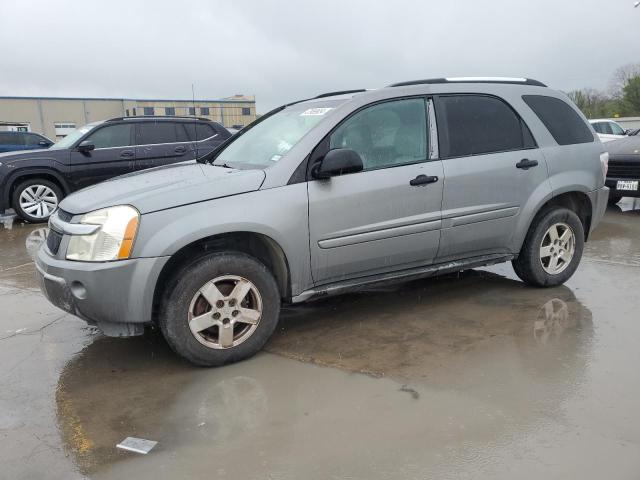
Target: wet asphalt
[466, 376]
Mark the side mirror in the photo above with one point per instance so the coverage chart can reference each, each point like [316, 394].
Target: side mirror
[86, 146]
[339, 161]
[44, 143]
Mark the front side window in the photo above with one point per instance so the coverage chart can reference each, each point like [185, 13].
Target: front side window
[33, 140]
[387, 134]
[478, 124]
[111, 136]
[598, 127]
[616, 129]
[562, 121]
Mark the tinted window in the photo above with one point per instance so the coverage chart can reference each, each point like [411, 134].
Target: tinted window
[7, 138]
[562, 121]
[112, 136]
[156, 132]
[598, 127]
[33, 140]
[202, 131]
[387, 134]
[474, 125]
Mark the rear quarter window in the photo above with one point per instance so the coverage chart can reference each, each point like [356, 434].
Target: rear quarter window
[562, 121]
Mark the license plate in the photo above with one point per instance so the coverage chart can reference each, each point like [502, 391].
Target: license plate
[627, 185]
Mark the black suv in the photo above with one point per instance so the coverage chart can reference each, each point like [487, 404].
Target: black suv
[34, 182]
[623, 176]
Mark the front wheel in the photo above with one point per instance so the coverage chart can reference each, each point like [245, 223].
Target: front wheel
[34, 200]
[552, 249]
[221, 309]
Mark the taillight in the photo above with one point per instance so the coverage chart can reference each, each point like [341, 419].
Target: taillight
[604, 162]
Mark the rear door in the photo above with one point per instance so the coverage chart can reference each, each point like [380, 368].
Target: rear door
[491, 165]
[376, 221]
[162, 142]
[114, 155]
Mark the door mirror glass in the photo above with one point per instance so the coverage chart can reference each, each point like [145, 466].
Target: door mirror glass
[86, 146]
[338, 161]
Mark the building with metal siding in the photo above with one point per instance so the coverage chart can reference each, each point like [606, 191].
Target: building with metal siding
[55, 117]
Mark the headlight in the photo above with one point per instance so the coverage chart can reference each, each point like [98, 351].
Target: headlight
[112, 241]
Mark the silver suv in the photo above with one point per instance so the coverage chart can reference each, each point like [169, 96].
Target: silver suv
[332, 194]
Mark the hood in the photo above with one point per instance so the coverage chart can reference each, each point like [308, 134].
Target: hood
[628, 146]
[10, 157]
[165, 187]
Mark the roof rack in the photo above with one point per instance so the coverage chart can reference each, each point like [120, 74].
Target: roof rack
[340, 92]
[160, 117]
[512, 80]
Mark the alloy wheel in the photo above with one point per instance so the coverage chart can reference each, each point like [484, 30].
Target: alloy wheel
[557, 248]
[225, 312]
[38, 201]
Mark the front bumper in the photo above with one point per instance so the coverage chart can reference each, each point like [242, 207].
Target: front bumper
[613, 182]
[115, 296]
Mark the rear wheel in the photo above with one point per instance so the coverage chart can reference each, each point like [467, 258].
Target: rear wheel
[34, 200]
[552, 249]
[221, 309]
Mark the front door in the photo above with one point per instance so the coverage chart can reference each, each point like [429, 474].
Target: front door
[386, 217]
[114, 155]
[492, 167]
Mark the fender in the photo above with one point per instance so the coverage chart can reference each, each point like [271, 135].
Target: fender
[15, 176]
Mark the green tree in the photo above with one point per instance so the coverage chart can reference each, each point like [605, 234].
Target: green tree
[631, 96]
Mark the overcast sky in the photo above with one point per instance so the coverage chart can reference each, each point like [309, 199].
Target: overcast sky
[289, 49]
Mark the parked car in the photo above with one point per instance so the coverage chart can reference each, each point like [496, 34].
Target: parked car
[623, 176]
[34, 182]
[15, 141]
[608, 130]
[329, 195]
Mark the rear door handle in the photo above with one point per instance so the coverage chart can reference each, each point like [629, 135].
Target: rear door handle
[180, 149]
[422, 180]
[126, 153]
[526, 164]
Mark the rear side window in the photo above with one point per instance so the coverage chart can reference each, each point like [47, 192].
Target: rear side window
[478, 124]
[562, 121]
[150, 133]
[11, 139]
[199, 131]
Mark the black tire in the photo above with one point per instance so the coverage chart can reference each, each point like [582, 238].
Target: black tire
[173, 318]
[614, 199]
[528, 265]
[15, 198]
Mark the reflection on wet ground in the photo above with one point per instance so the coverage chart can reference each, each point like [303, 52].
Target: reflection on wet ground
[465, 376]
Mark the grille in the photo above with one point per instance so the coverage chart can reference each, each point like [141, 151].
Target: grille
[53, 241]
[628, 169]
[55, 238]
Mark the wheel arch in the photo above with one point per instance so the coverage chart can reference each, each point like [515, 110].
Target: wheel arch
[576, 200]
[258, 245]
[22, 175]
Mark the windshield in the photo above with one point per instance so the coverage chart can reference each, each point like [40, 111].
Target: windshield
[72, 137]
[267, 142]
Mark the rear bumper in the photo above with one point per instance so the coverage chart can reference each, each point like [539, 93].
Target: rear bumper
[611, 182]
[599, 199]
[115, 296]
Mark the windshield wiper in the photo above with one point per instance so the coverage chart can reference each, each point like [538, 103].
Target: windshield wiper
[223, 165]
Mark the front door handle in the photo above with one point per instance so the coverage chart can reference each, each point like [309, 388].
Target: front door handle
[526, 164]
[422, 180]
[126, 153]
[180, 149]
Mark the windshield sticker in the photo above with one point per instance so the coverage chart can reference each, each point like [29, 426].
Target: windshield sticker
[315, 111]
[275, 158]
